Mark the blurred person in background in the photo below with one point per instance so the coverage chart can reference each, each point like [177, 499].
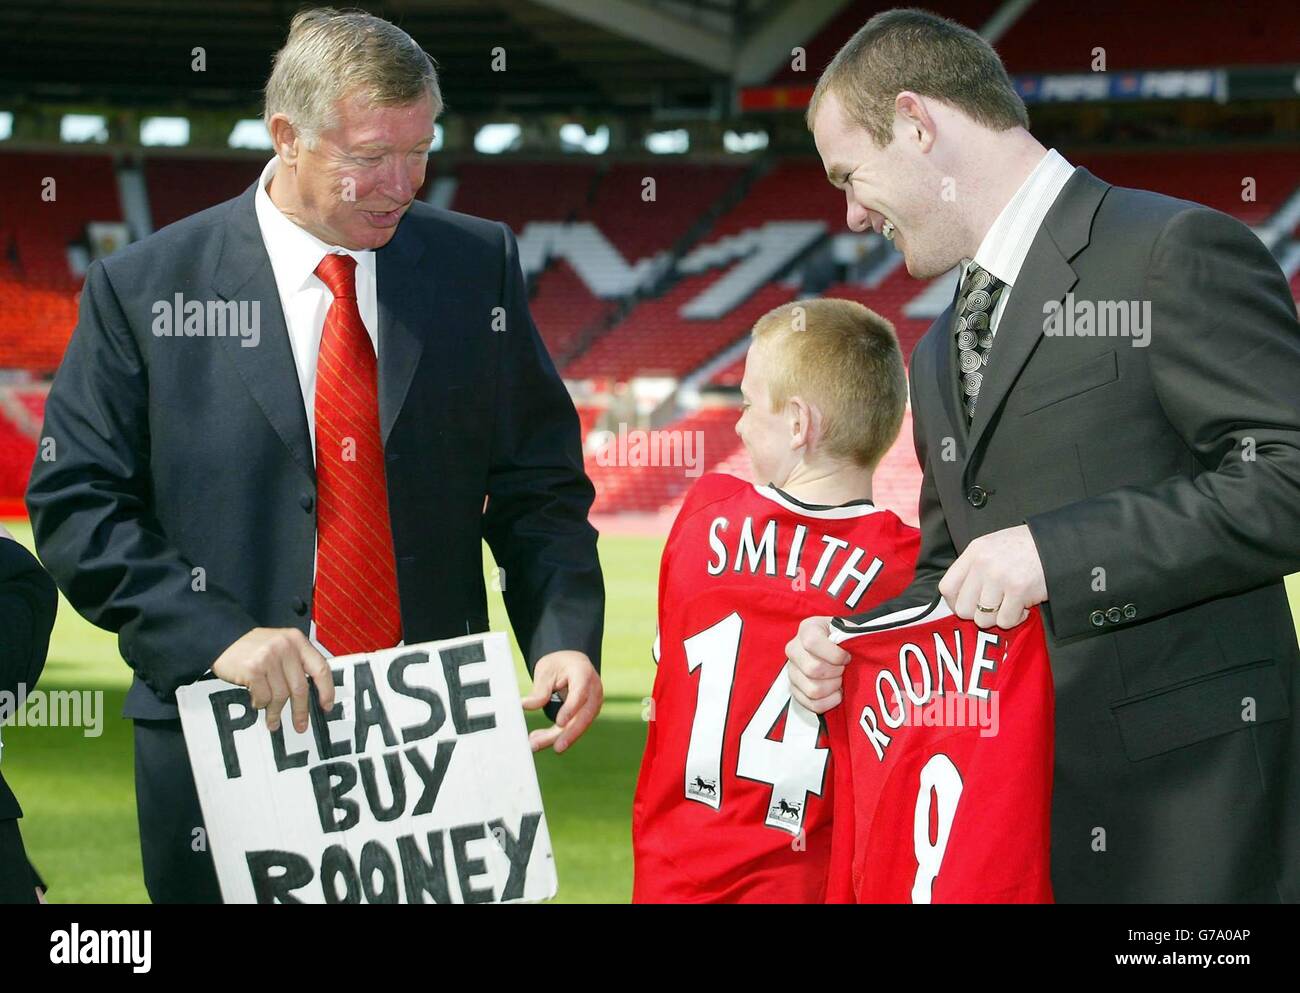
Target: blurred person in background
[28, 602]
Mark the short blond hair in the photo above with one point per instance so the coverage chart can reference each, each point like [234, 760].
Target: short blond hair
[843, 358]
[333, 54]
[910, 49]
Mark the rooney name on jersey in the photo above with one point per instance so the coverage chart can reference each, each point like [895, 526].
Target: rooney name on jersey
[943, 761]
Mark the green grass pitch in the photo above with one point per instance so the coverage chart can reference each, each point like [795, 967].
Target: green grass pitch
[79, 799]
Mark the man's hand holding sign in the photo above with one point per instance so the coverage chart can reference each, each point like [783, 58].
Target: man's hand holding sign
[274, 665]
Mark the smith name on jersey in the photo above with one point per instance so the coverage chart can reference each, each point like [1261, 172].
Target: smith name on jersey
[733, 800]
[943, 761]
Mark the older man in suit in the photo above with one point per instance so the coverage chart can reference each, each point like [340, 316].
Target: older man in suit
[284, 425]
[1107, 423]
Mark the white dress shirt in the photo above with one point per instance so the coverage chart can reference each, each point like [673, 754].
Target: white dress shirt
[1002, 252]
[295, 252]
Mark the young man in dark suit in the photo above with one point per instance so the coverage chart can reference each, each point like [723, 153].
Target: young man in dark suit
[1107, 423]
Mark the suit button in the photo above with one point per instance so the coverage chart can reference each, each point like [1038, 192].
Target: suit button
[1114, 615]
[1130, 611]
[306, 502]
[299, 606]
[1097, 618]
[977, 496]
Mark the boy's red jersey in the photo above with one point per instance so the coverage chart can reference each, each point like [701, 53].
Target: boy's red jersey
[943, 761]
[733, 800]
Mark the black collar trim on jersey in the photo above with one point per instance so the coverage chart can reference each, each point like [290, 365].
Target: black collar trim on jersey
[872, 621]
[820, 506]
[847, 511]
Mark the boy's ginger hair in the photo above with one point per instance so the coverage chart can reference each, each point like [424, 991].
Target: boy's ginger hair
[843, 359]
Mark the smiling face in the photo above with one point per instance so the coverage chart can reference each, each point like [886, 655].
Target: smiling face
[354, 187]
[895, 190]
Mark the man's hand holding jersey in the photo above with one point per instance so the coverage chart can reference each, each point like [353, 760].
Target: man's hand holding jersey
[993, 582]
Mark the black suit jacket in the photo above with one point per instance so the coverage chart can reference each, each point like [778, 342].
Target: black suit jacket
[1161, 485]
[28, 602]
[170, 455]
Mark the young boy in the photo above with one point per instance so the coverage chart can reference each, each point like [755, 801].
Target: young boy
[733, 802]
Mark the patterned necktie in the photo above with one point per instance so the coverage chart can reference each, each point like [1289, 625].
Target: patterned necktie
[974, 330]
[355, 604]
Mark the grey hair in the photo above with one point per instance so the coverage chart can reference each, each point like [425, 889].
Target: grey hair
[333, 54]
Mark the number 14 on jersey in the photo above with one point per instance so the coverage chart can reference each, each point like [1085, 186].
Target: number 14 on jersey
[793, 767]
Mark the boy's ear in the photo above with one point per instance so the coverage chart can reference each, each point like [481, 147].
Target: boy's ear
[803, 422]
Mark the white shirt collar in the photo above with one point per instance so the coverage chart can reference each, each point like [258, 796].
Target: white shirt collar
[294, 251]
[1004, 249]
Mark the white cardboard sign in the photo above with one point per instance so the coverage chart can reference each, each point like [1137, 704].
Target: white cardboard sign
[418, 787]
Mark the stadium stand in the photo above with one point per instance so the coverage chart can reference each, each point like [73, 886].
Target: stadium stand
[564, 310]
[707, 435]
[730, 375]
[1046, 37]
[519, 192]
[22, 408]
[821, 48]
[179, 187]
[41, 226]
[1210, 176]
[684, 192]
[37, 287]
[654, 339]
[623, 287]
[888, 299]
[792, 190]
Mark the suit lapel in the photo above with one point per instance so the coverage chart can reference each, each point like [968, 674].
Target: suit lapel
[1046, 276]
[404, 305]
[244, 273]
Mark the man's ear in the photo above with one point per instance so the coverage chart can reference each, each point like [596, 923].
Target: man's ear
[918, 124]
[284, 138]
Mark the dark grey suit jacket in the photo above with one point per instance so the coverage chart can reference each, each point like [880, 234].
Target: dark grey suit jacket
[172, 454]
[1161, 485]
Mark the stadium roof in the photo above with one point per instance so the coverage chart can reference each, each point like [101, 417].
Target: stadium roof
[561, 55]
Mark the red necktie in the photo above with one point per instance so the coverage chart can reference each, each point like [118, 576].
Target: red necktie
[355, 605]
